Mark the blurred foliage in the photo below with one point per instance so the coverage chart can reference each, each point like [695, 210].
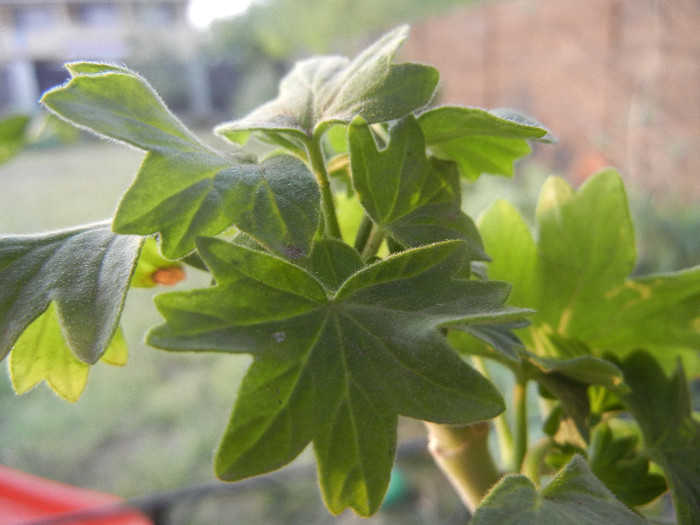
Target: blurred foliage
[284, 29]
[262, 43]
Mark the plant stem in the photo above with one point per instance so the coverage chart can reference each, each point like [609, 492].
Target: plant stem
[463, 455]
[534, 457]
[313, 149]
[504, 433]
[363, 232]
[374, 241]
[520, 407]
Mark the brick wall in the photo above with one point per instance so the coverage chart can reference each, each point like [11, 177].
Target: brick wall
[617, 81]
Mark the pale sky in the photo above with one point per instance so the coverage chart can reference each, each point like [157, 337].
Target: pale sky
[202, 12]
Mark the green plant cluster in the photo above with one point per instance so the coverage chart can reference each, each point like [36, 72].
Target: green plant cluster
[342, 261]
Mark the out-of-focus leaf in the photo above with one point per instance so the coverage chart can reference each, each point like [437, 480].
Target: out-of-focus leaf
[42, 353]
[574, 497]
[661, 406]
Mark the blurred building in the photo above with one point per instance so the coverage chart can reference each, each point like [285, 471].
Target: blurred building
[38, 36]
[617, 81]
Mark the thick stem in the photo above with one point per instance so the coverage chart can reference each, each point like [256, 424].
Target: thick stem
[332, 228]
[520, 407]
[504, 433]
[462, 453]
[534, 458]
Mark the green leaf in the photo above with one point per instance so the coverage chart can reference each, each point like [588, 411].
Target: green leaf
[479, 141]
[415, 200]
[661, 406]
[615, 461]
[325, 90]
[574, 497]
[12, 135]
[85, 271]
[577, 273]
[42, 353]
[336, 368]
[185, 189]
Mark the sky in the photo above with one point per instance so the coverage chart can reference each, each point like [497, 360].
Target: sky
[202, 12]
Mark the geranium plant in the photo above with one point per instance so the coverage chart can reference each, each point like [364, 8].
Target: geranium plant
[342, 261]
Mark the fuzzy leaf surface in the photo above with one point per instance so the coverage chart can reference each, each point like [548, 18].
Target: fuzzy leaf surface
[416, 200]
[577, 274]
[324, 90]
[661, 405]
[479, 141]
[336, 368]
[85, 271]
[574, 497]
[184, 188]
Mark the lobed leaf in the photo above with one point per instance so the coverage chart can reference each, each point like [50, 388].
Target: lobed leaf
[185, 189]
[42, 353]
[85, 271]
[417, 201]
[336, 368]
[325, 90]
[477, 140]
[574, 497]
[662, 408]
[577, 273]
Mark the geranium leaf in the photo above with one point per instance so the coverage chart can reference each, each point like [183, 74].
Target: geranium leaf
[417, 201]
[336, 368]
[184, 188]
[576, 276]
[616, 462]
[325, 90]
[477, 140]
[574, 497]
[661, 405]
[42, 353]
[85, 271]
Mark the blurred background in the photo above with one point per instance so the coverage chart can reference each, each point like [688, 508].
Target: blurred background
[616, 81]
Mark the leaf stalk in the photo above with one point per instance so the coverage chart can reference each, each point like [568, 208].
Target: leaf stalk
[463, 455]
[318, 166]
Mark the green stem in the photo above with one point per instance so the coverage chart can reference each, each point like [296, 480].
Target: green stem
[520, 406]
[363, 232]
[534, 458]
[318, 165]
[463, 455]
[504, 433]
[374, 241]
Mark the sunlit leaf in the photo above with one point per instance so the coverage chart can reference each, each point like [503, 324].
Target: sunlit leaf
[479, 141]
[184, 188]
[325, 90]
[42, 354]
